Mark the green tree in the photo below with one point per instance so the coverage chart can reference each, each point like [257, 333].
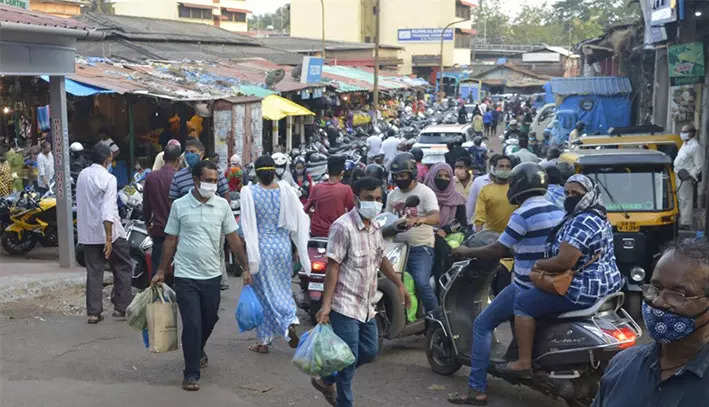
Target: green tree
[278, 20]
[491, 23]
[535, 25]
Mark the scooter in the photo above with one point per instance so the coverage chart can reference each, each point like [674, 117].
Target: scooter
[571, 350]
[313, 284]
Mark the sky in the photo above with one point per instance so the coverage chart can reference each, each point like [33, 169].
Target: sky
[269, 6]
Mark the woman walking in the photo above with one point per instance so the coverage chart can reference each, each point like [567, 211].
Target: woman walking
[271, 216]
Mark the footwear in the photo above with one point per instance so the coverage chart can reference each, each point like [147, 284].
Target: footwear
[505, 369]
[95, 319]
[204, 361]
[190, 385]
[224, 287]
[259, 348]
[294, 340]
[327, 390]
[472, 398]
[121, 316]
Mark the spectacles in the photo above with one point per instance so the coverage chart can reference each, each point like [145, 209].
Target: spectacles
[672, 297]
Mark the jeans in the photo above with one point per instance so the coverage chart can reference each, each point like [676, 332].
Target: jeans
[120, 263]
[198, 301]
[499, 311]
[362, 339]
[536, 303]
[419, 265]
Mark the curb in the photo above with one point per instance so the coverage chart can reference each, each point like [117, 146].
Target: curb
[14, 288]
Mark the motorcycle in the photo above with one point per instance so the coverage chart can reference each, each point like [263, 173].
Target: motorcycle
[141, 245]
[571, 350]
[313, 284]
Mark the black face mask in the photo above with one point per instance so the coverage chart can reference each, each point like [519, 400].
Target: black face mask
[266, 177]
[403, 183]
[571, 202]
[441, 183]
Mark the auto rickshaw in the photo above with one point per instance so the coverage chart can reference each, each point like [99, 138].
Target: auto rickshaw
[638, 188]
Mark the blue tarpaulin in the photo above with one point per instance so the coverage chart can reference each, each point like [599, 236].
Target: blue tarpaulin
[600, 112]
[80, 89]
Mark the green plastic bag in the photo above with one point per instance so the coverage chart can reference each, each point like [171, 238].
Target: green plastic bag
[455, 240]
[136, 313]
[322, 353]
[411, 288]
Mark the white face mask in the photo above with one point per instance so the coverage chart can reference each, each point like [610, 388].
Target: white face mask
[684, 136]
[369, 209]
[207, 190]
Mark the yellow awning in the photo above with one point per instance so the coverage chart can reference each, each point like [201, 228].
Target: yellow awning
[274, 107]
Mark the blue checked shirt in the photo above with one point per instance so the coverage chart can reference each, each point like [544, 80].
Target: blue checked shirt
[556, 195]
[527, 232]
[182, 183]
[591, 234]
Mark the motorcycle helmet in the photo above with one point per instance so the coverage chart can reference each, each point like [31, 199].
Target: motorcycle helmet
[478, 141]
[404, 162]
[417, 153]
[526, 180]
[281, 161]
[566, 169]
[377, 171]
[76, 147]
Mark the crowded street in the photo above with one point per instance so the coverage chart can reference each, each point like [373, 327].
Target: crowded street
[354, 203]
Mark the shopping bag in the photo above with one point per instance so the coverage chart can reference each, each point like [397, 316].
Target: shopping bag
[249, 312]
[135, 313]
[322, 353]
[162, 320]
[411, 289]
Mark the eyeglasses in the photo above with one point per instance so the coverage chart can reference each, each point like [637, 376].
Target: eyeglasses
[672, 297]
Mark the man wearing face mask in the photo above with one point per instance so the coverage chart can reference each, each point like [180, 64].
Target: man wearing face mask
[463, 176]
[420, 221]
[355, 252]
[478, 184]
[672, 371]
[282, 173]
[183, 182]
[688, 167]
[330, 199]
[197, 223]
[493, 209]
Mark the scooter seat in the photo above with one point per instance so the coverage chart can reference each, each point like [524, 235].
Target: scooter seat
[611, 302]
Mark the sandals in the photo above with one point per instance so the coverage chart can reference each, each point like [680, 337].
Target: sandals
[190, 385]
[119, 315]
[327, 391]
[95, 319]
[259, 348]
[293, 337]
[470, 398]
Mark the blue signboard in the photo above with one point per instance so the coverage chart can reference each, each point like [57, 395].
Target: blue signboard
[424, 35]
[312, 70]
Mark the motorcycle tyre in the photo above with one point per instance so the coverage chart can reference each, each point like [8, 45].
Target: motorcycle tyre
[313, 309]
[12, 250]
[444, 369]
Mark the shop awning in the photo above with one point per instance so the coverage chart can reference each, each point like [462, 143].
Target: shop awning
[274, 107]
[196, 5]
[80, 89]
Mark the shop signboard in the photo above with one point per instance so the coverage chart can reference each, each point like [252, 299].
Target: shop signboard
[663, 11]
[25, 4]
[311, 71]
[686, 63]
[424, 35]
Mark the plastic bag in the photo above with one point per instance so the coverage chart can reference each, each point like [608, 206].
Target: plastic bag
[322, 353]
[455, 240]
[135, 313]
[411, 289]
[249, 312]
[162, 320]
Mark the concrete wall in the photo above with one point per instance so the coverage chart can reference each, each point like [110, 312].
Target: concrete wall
[461, 56]
[167, 9]
[234, 26]
[343, 20]
[56, 9]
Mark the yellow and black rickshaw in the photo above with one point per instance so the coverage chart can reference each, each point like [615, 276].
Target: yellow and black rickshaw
[638, 190]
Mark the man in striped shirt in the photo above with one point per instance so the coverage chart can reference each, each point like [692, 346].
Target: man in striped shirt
[524, 239]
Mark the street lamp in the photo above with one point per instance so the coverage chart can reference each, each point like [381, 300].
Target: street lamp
[440, 80]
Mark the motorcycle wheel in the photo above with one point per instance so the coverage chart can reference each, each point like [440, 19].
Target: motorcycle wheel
[313, 309]
[15, 245]
[439, 352]
[140, 274]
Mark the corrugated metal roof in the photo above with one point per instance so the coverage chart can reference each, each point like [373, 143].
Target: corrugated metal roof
[18, 15]
[597, 85]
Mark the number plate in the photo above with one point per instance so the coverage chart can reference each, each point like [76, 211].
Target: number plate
[316, 286]
[628, 227]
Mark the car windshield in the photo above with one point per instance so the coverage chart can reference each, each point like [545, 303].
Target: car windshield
[633, 188]
[440, 138]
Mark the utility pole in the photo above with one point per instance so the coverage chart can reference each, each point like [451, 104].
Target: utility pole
[440, 72]
[322, 9]
[376, 55]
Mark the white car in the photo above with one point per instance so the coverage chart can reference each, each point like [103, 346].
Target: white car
[433, 140]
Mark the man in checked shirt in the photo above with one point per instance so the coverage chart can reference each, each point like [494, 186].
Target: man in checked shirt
[355, 253]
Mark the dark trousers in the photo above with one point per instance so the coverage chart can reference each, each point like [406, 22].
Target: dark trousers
[120, 263]
[362, 339]
[198, 301]
[156, 254]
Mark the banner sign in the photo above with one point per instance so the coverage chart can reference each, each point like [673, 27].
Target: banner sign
[311, 71]
[25, 4]
[424, 35]
[686, 63]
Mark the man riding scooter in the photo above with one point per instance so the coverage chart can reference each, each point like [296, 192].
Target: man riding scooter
[524, 239]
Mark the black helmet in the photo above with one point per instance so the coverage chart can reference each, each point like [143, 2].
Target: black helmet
[477, 140]
[375, 170]
[526, 179]
[404, 162]
[566, 169]
[417, 153]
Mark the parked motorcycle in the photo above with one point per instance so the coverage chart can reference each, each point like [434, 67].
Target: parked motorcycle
[571, 350]
[141, 245]
[313, 284]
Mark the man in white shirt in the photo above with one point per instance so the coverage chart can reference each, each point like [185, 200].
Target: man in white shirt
[390, 148]
[45, 166]
[688, 167]
[102, 235]
[374, 147]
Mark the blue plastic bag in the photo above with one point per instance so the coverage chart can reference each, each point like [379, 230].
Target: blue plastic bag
[249, 312]
[322, 353]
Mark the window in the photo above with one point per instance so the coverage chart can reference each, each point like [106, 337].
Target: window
[462, 40]
[233, 16]
[193, 12]
[633, 188]
[462, 11]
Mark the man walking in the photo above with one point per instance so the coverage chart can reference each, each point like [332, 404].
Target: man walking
[355, 251]
[156, 204]
[103, 237]
[688, 167]
[45, 167]
[330, 199]
[193, 232]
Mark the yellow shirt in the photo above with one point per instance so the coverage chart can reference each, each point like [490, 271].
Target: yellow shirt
[492, 209]
[463, 190]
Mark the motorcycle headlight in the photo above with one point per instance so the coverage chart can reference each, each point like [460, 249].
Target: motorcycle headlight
[637, 274]
[146, 244]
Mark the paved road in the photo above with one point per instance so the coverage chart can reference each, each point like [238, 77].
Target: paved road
[58, 361]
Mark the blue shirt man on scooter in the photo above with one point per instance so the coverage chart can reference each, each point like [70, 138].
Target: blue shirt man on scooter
[524, 239]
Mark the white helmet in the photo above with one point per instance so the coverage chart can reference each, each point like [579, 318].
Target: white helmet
[280, 159]
[76, 147]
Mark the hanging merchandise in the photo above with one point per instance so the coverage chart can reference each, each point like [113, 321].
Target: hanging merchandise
[43, 118]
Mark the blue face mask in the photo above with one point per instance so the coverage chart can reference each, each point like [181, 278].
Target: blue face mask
[665, 326]
[191, 158]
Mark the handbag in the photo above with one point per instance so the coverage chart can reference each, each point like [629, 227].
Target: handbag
[558, 283]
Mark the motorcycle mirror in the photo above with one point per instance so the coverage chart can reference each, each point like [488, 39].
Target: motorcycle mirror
[412, 201]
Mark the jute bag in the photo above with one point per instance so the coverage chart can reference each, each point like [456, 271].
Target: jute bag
[162, 321]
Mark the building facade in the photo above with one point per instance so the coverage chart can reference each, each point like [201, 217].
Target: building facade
[414, 26]
[58, 8]
[227, 14]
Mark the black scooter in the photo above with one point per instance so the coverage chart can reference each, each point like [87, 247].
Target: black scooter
[570, 352]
